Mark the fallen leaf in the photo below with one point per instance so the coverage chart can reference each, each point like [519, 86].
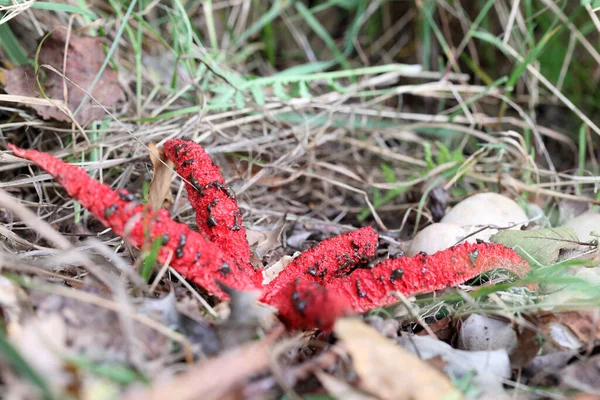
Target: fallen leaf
[159, 188]
[545, 246]
[544, 370]
[388, 371]
[14, 305]
[215, 378]
[443, 329]
[583, 375]
[43, 343]
[488, 369]
[271, 272]
[85, 57]
[266, 242]
[570, 330]
[339, 389]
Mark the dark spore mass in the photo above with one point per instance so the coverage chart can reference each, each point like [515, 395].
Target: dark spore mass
[110, 210]
[396, 275]
[299, 303]
[178, 148]
[224, 269]
[236, 221]
[312, 270]
[359, 291]
[211, 221]
[179, 251]
[123, 195]
[198, 255]
[473, 256]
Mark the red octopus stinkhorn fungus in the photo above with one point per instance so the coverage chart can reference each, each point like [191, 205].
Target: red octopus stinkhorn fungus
[323, 283]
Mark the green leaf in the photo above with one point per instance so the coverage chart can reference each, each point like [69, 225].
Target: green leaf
[258, 95]
[388, 173]
[428, 155]
[279, 91]
[223, 99]
[118, 373]
[305, 69]
[543, 246]
[240, 101]
[150, 258]
[303, 90]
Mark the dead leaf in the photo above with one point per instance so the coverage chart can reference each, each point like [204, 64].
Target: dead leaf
[583, 375]
[387, 370]
[443, 329]
[159, 188]
[570, 330]
[266, 242]
[217, 377]
[84, 60]
[543, 370]
[488, 369]
[339, 389]
[14, 305]
[271, 272]
[546, 246]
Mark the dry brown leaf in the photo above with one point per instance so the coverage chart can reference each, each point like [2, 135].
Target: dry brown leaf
[271, 272]
[215, 378]
[84, 59]
[159, 188]
[339, 389]
[266, 242]
[570, 330]
[387, 370]
[583, 375]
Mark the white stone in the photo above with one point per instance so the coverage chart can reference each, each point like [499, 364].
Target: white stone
[485, 209]
[482, 333]
[585, 224]
[436, 237]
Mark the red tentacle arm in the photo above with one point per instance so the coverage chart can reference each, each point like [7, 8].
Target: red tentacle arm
[366, 288]
[217, 212]
[189, 252]
[327, 261]
[303, 304]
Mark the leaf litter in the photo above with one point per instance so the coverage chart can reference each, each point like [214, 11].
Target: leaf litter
[84, 59]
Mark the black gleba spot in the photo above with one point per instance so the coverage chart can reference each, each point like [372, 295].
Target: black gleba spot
[110, 210]
[179, 250]
[397, 274]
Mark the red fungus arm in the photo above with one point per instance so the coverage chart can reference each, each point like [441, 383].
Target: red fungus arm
[325, 262]
[303, 304]
[365, 289]
[217, 212]
[191, 254]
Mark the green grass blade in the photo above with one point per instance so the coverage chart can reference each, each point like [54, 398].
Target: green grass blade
[533, 54]
[316, 26]
[15, 53]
